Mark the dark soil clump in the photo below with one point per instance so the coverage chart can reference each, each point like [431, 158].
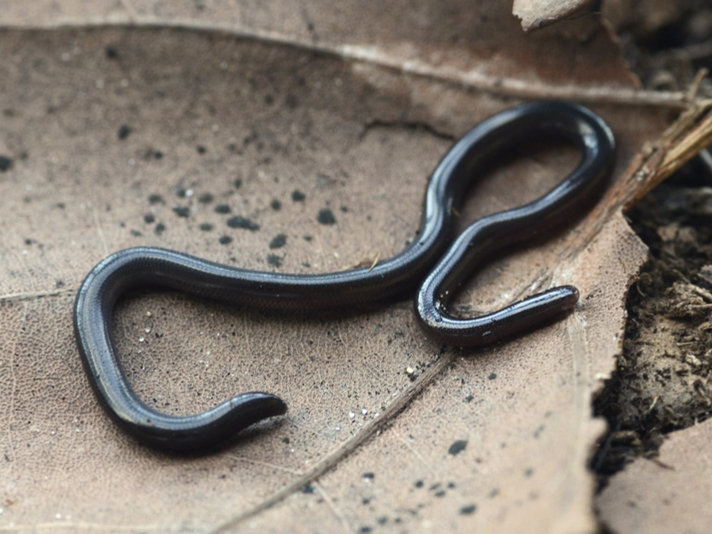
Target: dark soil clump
[663, 380]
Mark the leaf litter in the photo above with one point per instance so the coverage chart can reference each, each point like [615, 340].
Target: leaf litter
[500, 402]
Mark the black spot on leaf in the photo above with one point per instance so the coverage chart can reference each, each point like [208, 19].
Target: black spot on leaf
[326, 217]
[242, 222]
[457, 447]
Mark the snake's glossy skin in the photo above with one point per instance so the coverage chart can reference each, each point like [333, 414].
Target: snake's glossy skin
[432, 260]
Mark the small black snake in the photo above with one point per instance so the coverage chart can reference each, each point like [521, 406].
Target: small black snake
[432, 260]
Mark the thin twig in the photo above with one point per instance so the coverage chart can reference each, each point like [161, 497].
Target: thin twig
[346, 448]
[330, 503]
[25, 295]
[503, 86]
[694, 89]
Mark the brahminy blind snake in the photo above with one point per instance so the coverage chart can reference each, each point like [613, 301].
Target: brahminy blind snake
[430, 257]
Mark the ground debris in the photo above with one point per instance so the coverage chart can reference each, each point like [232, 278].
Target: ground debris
[663, 378]
[687, 301]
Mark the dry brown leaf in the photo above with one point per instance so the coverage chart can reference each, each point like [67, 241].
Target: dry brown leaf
[537, 14]
[353, 108]
[667, 494]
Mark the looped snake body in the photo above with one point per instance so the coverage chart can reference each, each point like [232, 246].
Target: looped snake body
[432, 261]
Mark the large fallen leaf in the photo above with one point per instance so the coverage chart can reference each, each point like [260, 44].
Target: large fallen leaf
[125, 136]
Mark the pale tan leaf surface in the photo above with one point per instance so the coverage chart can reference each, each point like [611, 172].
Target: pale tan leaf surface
[218, 120]
[668, 494]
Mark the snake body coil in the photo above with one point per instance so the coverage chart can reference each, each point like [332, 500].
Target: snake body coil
[432, 260]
